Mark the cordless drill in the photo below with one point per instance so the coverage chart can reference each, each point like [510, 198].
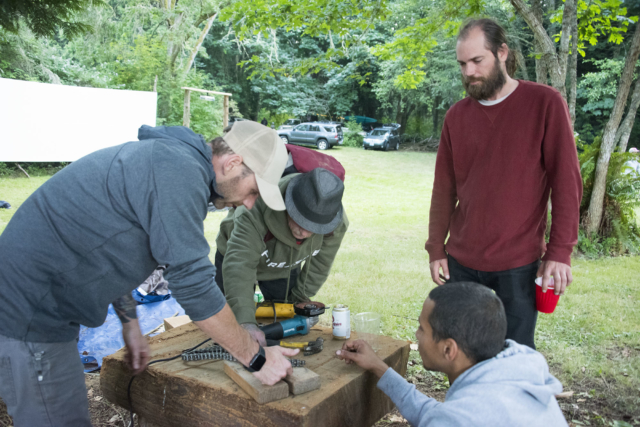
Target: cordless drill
[307, 315]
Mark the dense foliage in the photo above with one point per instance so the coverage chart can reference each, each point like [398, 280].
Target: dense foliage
[618, 231]
[393, 60]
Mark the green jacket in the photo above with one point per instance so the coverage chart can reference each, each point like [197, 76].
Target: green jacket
[247, 257]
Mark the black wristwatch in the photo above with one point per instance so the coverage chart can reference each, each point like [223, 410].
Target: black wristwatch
[258, 361]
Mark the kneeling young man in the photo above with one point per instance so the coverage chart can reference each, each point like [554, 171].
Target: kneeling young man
[493, 382]
[271, 246]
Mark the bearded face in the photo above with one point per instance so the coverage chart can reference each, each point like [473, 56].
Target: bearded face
[487, 86]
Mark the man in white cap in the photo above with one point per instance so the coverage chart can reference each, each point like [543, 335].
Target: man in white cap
[96, 230]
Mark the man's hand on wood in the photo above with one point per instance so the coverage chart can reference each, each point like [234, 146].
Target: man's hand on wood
[138, 352]
[361, 353]
[277, 365]
[435, 266]
[561, 276]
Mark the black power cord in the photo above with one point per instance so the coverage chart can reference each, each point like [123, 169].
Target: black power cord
[151, 363]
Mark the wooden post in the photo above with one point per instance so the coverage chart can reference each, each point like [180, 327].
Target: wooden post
[186, 118]
[186, 115]
[225, 112]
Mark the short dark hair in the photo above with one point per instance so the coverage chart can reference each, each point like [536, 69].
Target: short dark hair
[470, 314]
[219, 147]
[494, 36]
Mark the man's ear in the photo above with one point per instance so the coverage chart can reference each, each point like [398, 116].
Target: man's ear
[230, 163]
[503, 52]
[450, 349]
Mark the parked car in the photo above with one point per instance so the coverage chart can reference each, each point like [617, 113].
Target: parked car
[384, 138]
[322, 135]
[289, 124]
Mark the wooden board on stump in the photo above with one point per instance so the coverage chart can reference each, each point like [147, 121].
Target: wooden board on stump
[179, 393]
[251, 384]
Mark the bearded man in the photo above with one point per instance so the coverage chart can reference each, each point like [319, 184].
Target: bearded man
[503, 150]
[95, 230]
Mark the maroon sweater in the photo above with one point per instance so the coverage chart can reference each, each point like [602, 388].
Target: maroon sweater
[495, 168]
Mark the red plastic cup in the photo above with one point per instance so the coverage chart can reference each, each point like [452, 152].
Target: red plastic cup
[546, 302]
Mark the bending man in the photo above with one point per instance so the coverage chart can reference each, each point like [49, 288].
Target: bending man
[271, 246]
[96, 230]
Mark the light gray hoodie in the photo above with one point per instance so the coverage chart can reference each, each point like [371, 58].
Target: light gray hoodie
[512, 389]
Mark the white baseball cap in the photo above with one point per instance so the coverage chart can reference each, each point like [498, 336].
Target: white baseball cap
[264, 153]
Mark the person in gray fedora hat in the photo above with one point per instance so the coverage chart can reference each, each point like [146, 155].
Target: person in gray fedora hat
[290, 252]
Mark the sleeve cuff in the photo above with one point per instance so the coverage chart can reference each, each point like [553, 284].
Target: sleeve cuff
[436, 252]
[204, 306]
[562, 255]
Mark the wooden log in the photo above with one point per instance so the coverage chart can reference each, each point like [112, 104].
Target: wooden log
[252, 385]
[303, 380]
[174, 322]
[179, 393]
[186, 113]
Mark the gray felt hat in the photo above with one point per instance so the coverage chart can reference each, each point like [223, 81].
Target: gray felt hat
[314, 201]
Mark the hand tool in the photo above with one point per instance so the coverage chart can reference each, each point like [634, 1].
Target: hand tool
[306, 317]
[308, 347]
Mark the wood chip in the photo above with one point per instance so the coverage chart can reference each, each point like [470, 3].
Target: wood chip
[581, 400]
[114, 419]
[564, 395]
[98, 398]
[397, 419]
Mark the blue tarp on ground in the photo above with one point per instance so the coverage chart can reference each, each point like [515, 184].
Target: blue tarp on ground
[97, 343]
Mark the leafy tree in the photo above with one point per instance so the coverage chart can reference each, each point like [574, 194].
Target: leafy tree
[45, 17]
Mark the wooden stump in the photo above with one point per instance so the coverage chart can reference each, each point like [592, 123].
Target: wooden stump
[179, 393]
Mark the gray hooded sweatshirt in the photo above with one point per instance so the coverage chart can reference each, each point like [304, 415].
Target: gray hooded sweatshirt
[99, 227]
[512, 389]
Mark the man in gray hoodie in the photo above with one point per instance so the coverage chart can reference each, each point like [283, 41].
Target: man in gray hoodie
[493, 382]
[95, 230]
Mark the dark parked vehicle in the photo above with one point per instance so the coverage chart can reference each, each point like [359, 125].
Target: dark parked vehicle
[322, 135]
[384, 138]
[289, 124]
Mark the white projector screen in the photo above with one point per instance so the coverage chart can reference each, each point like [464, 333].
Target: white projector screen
[42, 122]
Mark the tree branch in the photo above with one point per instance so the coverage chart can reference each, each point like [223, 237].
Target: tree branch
[567, 15]
[203, 34]
[546, 44]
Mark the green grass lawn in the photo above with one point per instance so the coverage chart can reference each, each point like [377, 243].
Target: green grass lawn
[592, 341]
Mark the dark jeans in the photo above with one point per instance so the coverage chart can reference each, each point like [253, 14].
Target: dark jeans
[272, 290]
[516, 289]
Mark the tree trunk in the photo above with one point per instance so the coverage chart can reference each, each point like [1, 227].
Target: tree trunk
[556, 72]
[434, 115]
[573, 69]
[624, 131]
[522, 63]
[596, 204]
[203, 34]
[541, 66]
[567, 21]
[405, 118]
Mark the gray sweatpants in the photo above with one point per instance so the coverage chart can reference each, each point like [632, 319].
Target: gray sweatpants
[42, 384]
